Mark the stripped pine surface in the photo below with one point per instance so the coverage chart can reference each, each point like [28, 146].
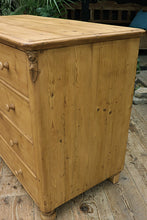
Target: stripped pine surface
[46, 33]
[125, 200]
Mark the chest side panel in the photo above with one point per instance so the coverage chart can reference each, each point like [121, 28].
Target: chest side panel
[83, 97]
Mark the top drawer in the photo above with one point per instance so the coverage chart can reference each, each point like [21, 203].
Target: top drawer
[13, 68]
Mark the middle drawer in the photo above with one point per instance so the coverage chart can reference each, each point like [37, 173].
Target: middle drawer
[16, 109]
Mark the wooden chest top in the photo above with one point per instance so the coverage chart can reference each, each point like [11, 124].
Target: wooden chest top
[28, 32]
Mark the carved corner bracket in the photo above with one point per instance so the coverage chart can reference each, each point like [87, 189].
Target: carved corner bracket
[33, 65]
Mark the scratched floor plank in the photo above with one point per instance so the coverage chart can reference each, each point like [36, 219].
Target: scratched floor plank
[125, 200]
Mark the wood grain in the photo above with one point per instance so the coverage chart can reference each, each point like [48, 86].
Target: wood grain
[23, 145]
[71, 109]
[98, 202]
[20, 117]
[12, 207]
[27, 177]
[16, 75]
[82, 125]
[43, 33]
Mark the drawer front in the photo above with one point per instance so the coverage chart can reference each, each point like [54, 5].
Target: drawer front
[24, 175]
[17, 142]
[13, 69]
[16, 109]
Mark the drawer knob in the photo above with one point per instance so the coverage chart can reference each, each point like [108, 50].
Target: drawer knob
[18, 173]
[12, 143]
[10, 107]
[4, 65]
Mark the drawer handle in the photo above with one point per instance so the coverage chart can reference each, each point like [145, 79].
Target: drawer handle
[18, 173]
[12, 143]
[10, 107]
[4, 65]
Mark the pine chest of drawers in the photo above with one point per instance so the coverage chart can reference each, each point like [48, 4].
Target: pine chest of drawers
[66, 91]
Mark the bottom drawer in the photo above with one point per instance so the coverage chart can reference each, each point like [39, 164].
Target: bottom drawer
[17, 142]
[21, 171]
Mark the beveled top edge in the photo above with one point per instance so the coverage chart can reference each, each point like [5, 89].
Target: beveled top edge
[27, 32]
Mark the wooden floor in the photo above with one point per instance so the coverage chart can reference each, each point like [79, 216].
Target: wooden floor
[123, 201]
